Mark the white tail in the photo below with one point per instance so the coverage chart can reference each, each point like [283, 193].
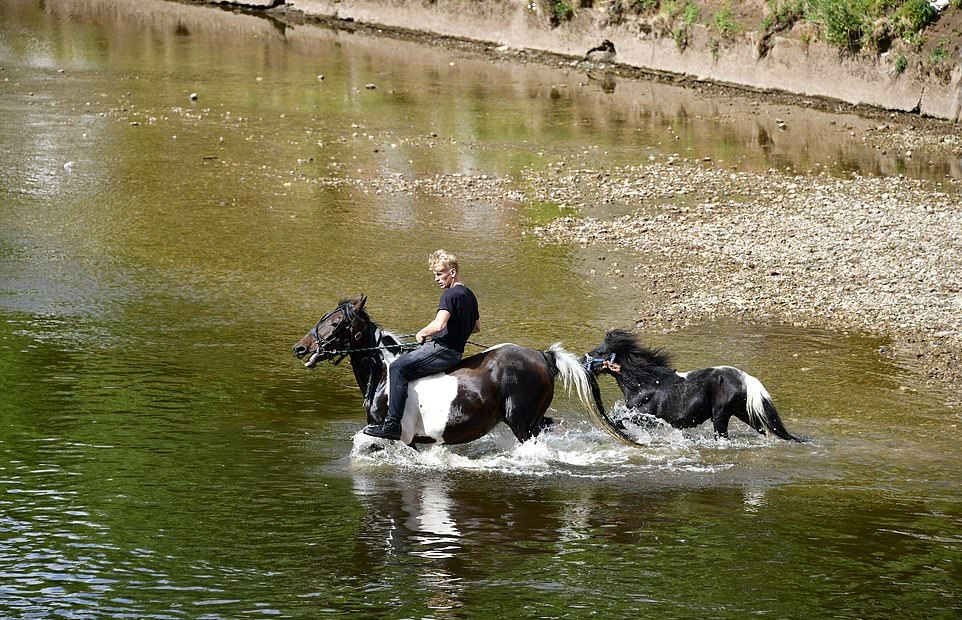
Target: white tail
[756, 395]
[572, 373]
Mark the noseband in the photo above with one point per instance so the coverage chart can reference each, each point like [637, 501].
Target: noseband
[606, 362]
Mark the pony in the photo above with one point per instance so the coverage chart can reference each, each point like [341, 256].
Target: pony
[683, 399]
[504, 383]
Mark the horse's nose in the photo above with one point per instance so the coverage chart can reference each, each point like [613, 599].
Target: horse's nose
[300, 350]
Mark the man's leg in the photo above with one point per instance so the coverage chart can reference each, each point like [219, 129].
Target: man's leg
[428, 360]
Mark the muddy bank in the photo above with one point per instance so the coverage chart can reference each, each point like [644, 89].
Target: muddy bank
[880, 255]
[790, 62]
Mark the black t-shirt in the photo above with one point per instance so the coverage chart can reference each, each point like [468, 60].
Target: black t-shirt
[463, 306]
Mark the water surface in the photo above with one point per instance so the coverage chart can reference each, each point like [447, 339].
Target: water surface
[162, 455]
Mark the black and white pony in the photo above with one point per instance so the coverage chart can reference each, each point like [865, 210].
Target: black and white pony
[505, 383]
[683, 399]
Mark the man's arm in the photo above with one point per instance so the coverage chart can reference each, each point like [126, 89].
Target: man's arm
[437, 325]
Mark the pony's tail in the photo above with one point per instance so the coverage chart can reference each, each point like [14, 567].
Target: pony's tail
[761, 410]
[573, 373]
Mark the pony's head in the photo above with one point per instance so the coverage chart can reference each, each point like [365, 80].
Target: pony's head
[336, 331]
[621, 349]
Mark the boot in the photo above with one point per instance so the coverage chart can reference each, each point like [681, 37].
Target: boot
[390, 429]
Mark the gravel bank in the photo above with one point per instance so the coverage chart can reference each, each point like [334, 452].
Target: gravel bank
[881, 255]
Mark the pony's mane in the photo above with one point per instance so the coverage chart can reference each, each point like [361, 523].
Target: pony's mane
[632, 352]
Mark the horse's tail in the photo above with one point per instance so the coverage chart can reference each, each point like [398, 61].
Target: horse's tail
[573, 373]
[761, 410]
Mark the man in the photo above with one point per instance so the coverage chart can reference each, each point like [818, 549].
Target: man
[456, 320]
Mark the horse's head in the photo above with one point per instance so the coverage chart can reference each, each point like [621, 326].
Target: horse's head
[338, 330]
[603, 357]
[621, 351]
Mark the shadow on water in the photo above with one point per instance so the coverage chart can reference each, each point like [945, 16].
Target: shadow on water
[163, 455]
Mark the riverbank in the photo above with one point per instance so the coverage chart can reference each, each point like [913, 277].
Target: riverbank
[710, 43]
[878, 255]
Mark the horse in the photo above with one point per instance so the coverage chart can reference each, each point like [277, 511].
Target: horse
[504, 383]
[683, 399]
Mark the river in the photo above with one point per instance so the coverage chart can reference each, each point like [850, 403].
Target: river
[186, 190]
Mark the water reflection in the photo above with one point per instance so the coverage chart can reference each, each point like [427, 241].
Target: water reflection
[416, 520]
[563, 107]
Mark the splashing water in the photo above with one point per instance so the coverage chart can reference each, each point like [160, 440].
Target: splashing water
[576, 449]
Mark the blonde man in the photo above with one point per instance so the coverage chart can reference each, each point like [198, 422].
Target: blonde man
[457, 318]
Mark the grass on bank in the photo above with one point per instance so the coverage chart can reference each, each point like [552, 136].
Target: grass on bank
[852, 26]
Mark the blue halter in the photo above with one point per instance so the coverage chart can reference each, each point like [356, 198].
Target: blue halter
[591, 362]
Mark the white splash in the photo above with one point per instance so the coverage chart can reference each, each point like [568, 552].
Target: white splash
[576, 449]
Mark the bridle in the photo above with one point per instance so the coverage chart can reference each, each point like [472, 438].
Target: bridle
[607, 363]
[348, 324]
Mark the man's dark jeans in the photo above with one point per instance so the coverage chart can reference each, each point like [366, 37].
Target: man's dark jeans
[431, 358]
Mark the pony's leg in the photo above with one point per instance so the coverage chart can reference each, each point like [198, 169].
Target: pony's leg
[742, 415]
[719, 419]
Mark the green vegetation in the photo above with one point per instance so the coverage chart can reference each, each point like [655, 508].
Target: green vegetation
[560, 11]
[914, 15]
[853, 26]
[714, 46]
[901, 63]
[842, 21]
[782, 14]
[687, 16]
[725, 21]
[940, 53]
[651, 6]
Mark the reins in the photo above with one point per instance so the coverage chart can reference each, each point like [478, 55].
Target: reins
[351, 316]
[384, 347]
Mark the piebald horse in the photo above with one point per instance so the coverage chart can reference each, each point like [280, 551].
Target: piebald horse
[505, 383]
[683, 399]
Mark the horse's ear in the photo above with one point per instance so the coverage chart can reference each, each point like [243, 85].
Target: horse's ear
[359, 302]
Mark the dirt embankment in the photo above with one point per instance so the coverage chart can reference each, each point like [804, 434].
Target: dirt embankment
[721, 42]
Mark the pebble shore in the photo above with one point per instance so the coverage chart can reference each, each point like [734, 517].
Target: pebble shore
[880, 255]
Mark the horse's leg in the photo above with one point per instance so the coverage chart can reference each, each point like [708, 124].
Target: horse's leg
[720, 416]
[517, 420]
[524, 414]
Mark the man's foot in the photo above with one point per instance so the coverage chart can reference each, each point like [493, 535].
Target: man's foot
[388, 430]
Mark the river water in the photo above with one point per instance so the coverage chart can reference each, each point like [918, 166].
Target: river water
[162, 455]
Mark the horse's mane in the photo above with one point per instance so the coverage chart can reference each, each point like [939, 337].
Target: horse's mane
[632, 353]
[389, 340]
